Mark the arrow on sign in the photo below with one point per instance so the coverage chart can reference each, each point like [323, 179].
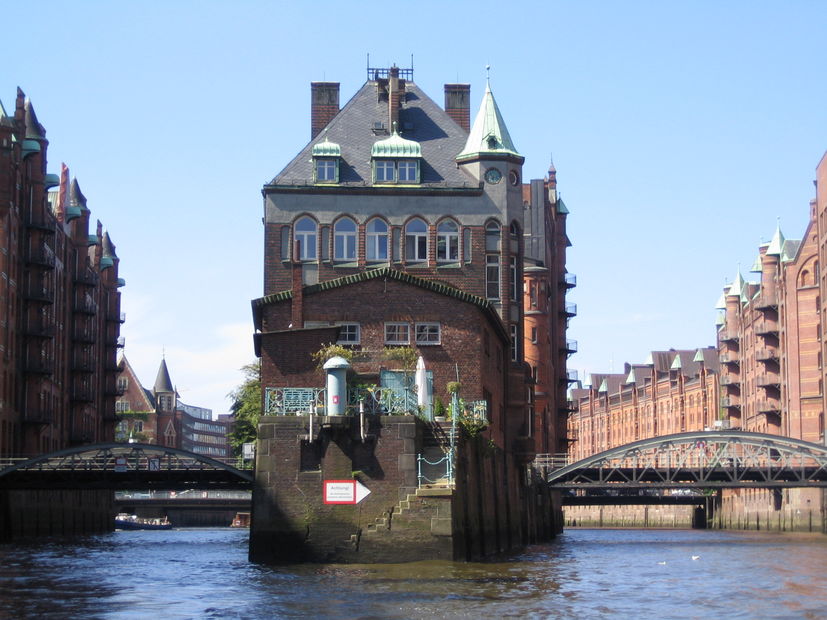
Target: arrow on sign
[344, 491]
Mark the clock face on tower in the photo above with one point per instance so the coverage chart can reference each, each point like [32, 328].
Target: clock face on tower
[493, 176]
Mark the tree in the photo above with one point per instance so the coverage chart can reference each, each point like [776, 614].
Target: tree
[246, 407]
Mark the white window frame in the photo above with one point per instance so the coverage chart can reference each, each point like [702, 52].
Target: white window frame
[349, 333]
[381, 168]
[306, 238]
[416, 242]
[427, 334]
[407, 171]
[344, 241]
[376, 240]
[397, 333]
[447, 242]
[326, 170]
[492, 261]
[515, 290]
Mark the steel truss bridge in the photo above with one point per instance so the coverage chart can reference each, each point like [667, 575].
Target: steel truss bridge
[122, 466]
[694, 461]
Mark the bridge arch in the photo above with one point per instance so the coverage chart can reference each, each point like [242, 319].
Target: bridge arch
[701, 459]
[123, 465]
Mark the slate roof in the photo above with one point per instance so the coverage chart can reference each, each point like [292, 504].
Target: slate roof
[162, 381]
[420, 119]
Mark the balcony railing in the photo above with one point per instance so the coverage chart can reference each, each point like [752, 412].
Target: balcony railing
[730, 357]
[116, 317]
[730, 380]
[769, 379]
[570, 347]
[766, 327]
[37, 291]
[571, 376]
[38, 414]
[730, 401]
[767, 300]
[569, 280]
[40, 329]
[85, 306]
[570, 309]
[85, 335]
[726, 335]
[83, 364]
[42, 256]
[769, 405]
[41, 221]
[39, 365]
[766, 355]
[82, 394]
[87, 277]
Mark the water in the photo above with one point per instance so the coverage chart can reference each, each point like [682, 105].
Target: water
[584, 574]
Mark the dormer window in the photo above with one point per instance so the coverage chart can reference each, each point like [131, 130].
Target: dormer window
[396, 160]
[326, 157]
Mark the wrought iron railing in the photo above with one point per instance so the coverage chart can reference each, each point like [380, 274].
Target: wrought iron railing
[371, 400]
[435, 473]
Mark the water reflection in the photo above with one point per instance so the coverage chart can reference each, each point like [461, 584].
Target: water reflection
[584, 574]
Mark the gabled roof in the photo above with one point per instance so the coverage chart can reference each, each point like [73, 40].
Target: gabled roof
[363, 121]
[489, 135]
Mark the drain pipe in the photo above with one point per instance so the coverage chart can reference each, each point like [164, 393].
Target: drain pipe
[362, 419]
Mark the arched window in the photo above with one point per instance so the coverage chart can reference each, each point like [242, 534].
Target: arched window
[305, 234]
[416, 241]
[447, 241]
[492, 237]
[344, 239]
[376, 246]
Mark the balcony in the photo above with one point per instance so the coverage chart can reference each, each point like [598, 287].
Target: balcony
[768, 379]
[728, 335]
[730, 357]
[569, 280]
[116, 317]
[570, 347]
[40, 329]
[730, 380]
[570, 310]
[39, 414]
[40, 292]
[83, 364]
[85, 335]
[82, 394]
[87, 277]
[41, 221]
[731, 402]
[85, 306]
[768, 406]
[42, 256]
[571, 376]
[767, 300]
[768, 354]
[766, 327]
[39, 365]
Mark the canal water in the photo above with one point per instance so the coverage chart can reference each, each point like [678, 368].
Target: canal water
[584, 574]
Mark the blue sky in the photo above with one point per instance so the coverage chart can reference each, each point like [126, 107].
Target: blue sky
[680, 131]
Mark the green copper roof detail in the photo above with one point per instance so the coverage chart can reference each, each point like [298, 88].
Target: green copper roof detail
[30, 147]
[676, 363]
[94, 240]
[106, 262]
[604, 387]
[326, 148]
[721, 303]
[72, 212]
[3, 111]
[561, 207]
[776, 246]
[699, 356]
[120, 282]
[756, 266]
[720, 319]
[650, 359]
[489, 135]
[737, 287]
[631, 378]
[396, 146]
[51, 180]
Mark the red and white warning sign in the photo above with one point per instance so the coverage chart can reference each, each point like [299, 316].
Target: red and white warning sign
[344, 491]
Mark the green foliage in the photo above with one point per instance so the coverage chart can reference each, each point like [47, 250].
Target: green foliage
[406, 357]
[439, 408]
[331, 350]
[246, 407]
[134, 415]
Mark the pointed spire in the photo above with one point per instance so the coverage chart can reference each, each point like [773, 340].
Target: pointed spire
[76, 197]
[737, 287]
[489, 135]
[631, 377]
[776, 246]
[108, 248]
[721, 303]
[34, 130]
[162, 382]
[2, 111]
[677, 364]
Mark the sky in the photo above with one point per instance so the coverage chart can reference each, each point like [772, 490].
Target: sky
[682, 133]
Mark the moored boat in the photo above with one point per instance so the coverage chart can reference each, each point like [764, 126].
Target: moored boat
[132, 522]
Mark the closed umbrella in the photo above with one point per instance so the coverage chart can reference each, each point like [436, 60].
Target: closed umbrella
[421, 381]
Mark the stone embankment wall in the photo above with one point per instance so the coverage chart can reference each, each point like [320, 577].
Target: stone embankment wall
[55, 513]
[629, 516]
[493, 506]
[788, 510]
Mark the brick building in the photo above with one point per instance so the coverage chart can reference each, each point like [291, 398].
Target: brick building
[59, 302]
[673, 392]
[403, 224]
[158, 416]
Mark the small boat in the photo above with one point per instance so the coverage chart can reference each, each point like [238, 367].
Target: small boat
[242, 519]
[132, 522]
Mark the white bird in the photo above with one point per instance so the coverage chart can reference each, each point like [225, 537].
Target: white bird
[662, 563]
[696, 557]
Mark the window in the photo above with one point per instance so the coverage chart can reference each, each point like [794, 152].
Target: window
[534, 334]
[349, 333]
[492, 237]
[466, 244]
[285, 243]
[123, 383]
[384, 171]
[515, 286]
[376, 246]
[513, 330]
[492, 276]
[407, 169]
[397, 333]
[305, 236]
[121, 406]
[447, 241]
[344, 239]
[427, 333]
[327, 170]
[138, 426]
[416, 241]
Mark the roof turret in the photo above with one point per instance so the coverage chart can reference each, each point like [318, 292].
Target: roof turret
[489, 135]
[326, 148]
[162, 382]
[34, 130]
[776, 246]
[396, 146]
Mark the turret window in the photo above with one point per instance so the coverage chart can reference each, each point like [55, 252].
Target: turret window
[396, 171]
[447, 242]
[327, 170]
[384, 171]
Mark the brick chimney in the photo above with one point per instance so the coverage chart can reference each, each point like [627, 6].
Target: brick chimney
[324, 105]
[395, 92]
[458, 104]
